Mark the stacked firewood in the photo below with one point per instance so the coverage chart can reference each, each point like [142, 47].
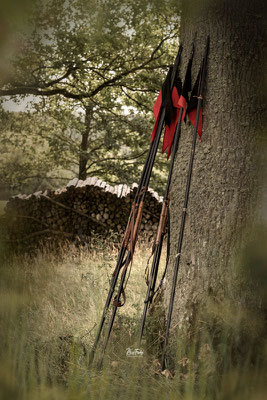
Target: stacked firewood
[80, 209]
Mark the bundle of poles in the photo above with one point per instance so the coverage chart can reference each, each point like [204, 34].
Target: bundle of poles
[170, 109]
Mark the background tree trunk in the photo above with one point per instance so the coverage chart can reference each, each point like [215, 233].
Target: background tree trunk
[83, 159]
[225, 197]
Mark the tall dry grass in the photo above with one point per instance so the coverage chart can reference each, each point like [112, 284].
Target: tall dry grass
[50, 307]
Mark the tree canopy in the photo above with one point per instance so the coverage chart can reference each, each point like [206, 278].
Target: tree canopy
[95, 67]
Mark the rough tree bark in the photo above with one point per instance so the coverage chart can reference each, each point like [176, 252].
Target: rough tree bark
[224, 197]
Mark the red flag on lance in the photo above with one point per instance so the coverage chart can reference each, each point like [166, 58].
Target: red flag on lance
[180, 100]
[182, 103]
[187, 87]
[164, 100]
[156, 112]
[192, 108]
[192, 116]
[170, 130]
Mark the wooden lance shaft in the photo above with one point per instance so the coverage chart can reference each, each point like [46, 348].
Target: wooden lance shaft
[124, 255]
[163, 219]
[122, 251]
[134, 238]
[190, 170]
[160, 232]
[140, 195]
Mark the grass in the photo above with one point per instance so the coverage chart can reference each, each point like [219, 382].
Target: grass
[50, 307]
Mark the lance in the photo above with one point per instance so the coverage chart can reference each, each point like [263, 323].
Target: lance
[122, 252]
[135, 231]
[137, 209]
[202, 76]
[157, 248]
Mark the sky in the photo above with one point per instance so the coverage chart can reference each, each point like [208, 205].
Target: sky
[10, 105]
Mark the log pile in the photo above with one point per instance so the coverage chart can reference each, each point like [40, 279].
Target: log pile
[80, 209]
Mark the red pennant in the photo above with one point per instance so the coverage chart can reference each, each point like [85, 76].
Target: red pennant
[182, 103]
[175, 97]
[156, 111]
[169, 131]
[192, 116]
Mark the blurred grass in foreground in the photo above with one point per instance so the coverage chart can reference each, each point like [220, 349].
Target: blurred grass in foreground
[51, 304]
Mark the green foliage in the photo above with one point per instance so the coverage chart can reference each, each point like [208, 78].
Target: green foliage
[97, 66]
[27, 162]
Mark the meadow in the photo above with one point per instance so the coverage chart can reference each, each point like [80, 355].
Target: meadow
[51, 304]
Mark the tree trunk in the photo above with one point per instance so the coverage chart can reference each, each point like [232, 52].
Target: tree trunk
[224, 197]
[84, 144]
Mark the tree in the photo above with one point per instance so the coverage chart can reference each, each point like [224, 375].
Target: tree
[91, 61]
[225, 196]
[29, 162]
